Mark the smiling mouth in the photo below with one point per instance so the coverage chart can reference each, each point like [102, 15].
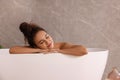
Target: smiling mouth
[49, 45]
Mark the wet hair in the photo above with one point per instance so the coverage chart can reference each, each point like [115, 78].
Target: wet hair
[29, 31]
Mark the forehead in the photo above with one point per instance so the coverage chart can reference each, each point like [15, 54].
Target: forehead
[40, 35]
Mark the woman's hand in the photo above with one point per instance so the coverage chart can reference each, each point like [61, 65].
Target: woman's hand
[54, 50]
[47, 51]
[43, 51]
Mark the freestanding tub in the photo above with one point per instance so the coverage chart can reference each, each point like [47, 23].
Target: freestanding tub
[53, 66]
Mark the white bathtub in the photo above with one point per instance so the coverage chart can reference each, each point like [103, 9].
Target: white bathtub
[53, 66]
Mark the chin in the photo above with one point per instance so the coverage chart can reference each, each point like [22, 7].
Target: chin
[51, 47]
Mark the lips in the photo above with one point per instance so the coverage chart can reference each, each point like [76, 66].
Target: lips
[49, 45]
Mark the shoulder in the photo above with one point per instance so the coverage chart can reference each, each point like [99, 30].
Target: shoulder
[58, 44]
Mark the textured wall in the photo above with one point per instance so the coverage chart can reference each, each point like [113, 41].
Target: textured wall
[93, 23]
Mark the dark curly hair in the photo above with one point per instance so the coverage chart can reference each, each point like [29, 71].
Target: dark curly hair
[29, 31]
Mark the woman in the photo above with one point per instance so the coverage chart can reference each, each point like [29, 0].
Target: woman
[41, 42]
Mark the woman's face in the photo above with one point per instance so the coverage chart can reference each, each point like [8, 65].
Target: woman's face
[43, 40]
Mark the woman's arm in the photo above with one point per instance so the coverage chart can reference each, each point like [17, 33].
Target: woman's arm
[24, 50]
[77, 50]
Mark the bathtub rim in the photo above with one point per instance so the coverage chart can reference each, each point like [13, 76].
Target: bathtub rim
[97, 50]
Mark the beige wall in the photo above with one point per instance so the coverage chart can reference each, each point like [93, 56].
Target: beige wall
[93, 23]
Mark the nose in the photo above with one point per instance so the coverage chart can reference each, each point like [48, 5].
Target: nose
[47, 41]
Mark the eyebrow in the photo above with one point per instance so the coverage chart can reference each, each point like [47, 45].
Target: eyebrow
[42, 39]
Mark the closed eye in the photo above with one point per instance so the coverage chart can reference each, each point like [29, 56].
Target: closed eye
[41, 42]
